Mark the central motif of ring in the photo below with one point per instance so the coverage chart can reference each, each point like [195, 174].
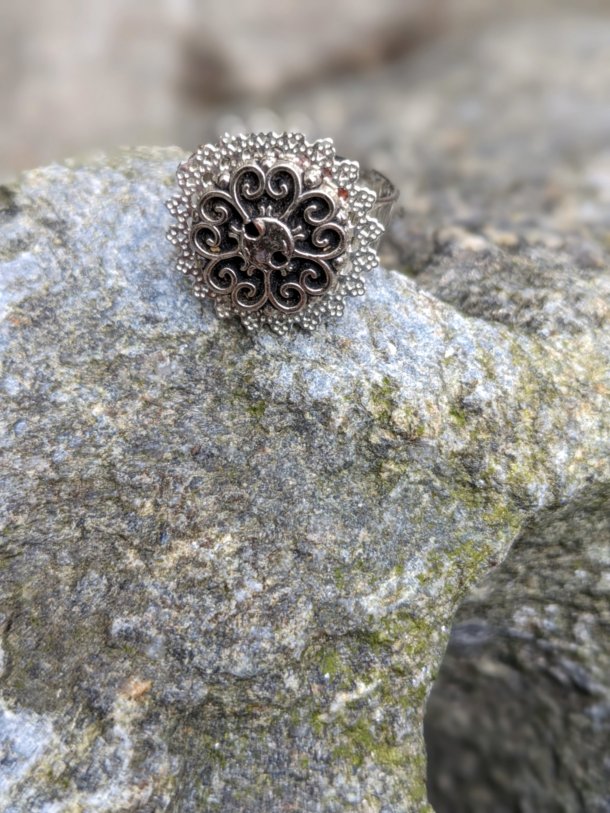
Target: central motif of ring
[267, 243]
[269, 235]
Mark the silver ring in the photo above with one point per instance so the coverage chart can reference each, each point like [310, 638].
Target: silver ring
[276, 230]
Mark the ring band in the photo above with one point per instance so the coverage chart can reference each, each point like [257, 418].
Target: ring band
[276, 230]
[387, 194]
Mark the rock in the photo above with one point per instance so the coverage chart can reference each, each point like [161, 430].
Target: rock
[230, 565]
[520, 713]
[508, 220]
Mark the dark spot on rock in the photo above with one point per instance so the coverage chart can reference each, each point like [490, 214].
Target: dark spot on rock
[8, 203]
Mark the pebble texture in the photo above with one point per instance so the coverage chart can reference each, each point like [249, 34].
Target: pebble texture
[229, 565]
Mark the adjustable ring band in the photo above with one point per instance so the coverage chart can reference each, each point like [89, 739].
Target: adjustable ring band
[276, 230]
[387, 194]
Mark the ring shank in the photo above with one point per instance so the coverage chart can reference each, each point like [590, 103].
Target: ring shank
[387, 193]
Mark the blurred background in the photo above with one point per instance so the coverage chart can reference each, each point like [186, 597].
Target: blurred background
[493, 118]
[80, 74]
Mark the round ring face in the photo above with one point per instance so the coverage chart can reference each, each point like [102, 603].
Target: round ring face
[274, 229]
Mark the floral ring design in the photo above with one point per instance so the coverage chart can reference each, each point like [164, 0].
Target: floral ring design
[276, 230]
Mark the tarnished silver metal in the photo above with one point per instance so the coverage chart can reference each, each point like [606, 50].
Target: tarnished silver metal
[277, 230]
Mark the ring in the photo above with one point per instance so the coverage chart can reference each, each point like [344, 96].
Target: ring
[276, 230]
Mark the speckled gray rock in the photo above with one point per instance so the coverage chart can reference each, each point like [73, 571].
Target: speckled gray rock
[519, 717]
[507, 219]
[229, 565]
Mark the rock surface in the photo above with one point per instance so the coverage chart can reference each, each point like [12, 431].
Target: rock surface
[508, 220]
[229, 566]
[519, 717]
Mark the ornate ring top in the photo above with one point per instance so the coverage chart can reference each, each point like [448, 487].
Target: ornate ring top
[274, 229]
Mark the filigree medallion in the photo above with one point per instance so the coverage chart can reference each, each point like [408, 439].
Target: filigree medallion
[273, 229]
